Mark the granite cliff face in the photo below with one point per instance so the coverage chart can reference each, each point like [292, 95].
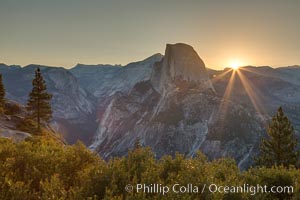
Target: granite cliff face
[176, 110]
[180, 64]
[171, 103]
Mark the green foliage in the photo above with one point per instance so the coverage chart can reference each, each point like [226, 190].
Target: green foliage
[38, 103]
[12, 109]
[27, 125]
[275, 176]
[280, 148]
[43, 168]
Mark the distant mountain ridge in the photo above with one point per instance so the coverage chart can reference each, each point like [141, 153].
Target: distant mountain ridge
[103, 80]
[72, 105]
[171, 103]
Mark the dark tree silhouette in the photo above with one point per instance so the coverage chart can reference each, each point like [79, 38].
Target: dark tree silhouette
[280, 147]
[38, 103]
[2, 94]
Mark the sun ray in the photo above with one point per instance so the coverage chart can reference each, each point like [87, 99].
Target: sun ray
[251, 71]
[220, 76]
[225, 99]
[216, 78]
[252, 93]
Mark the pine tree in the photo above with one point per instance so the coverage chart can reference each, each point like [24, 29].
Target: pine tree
[137, 144]
[2, 94]
[38, 103]
[280, 147]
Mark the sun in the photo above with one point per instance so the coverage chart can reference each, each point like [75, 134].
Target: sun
[235, 64]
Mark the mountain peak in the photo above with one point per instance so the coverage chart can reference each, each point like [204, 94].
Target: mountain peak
[184, 62]
[157, 56]
[180, 63]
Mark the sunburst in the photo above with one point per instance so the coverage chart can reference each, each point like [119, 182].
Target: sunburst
[252, 92]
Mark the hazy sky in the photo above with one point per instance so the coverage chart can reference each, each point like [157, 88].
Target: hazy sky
[64, 33]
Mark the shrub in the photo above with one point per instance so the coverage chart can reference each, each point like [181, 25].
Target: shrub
[43, 168]
[12, 109]
[28, 125]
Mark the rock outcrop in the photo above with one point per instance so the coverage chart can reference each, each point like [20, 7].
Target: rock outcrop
[181, 63]
[176, 110]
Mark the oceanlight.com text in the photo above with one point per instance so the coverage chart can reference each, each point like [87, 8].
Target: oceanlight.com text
[211, 188]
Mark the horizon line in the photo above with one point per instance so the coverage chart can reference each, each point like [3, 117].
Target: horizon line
[121, 65]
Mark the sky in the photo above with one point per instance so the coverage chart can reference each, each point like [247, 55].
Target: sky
[67, 32]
